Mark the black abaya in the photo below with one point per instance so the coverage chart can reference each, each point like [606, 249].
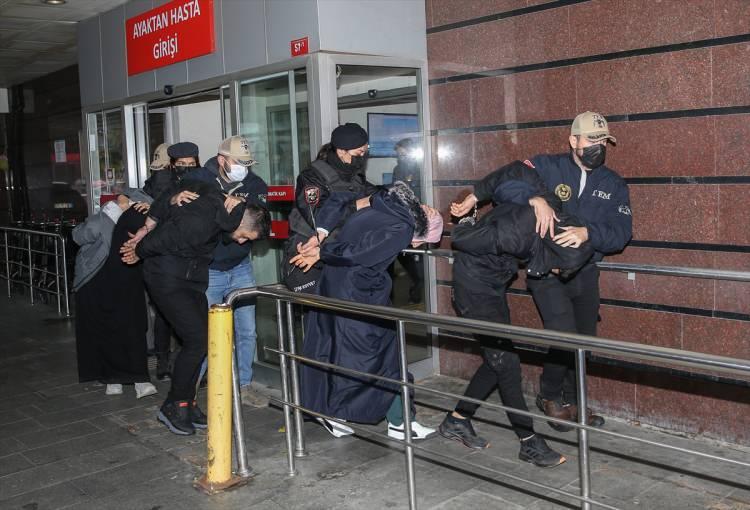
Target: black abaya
[111, 319]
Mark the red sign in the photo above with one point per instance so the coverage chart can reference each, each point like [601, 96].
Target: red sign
[279, 229]
[176, 31]
[281, 193]
[299, 47]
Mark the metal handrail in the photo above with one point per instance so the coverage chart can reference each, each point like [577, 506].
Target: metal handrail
[678, 271]
[59, 276]
[581, 344]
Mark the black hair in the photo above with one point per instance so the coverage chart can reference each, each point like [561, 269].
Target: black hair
[404, 194]
[256, 219]
[324, 151]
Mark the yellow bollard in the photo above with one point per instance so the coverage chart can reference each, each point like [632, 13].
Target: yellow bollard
[219, 475]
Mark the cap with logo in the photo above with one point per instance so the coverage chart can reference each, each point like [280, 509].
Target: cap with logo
[237, 148]
[183, 150]
[161, 157]
[593, 126]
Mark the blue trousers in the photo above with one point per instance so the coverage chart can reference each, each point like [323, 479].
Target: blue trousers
[220, 283]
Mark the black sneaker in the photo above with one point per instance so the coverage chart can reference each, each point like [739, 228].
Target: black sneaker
[536, 451]
[197, 417]
[462, 430]
[176, 416]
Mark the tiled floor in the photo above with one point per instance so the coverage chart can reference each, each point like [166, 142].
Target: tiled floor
[67, 445]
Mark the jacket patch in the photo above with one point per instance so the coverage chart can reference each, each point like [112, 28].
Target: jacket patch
[312, 195]
[563, 192]
[624, 209]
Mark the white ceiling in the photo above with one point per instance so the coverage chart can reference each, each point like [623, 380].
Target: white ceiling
[37, 39]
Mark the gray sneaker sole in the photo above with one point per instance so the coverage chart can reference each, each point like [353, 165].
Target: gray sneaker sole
[174, 430]
[457, 437]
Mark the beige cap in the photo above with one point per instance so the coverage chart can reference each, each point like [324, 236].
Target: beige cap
[237, 148]
[161, 157]
[593, 126]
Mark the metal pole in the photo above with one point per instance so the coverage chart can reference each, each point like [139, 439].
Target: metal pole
[243, 469]
[7, 260]
[584, 468]
[299, 450]
[31, 269]
[219, 440]
[408, 449]
[65, 277]
[57, 274]
[285, 390]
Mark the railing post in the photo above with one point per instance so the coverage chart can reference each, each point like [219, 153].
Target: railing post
[584, 467]
[57, 275]
[218, 475]
[65, 277]
[7, 260]
[405, 400]
[299, 424]
[243, 469]
[285, 390]
[31, 269]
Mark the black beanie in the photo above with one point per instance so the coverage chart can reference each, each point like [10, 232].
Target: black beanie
[349, 136]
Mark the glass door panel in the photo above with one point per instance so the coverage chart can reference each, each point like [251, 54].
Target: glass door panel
[273, 116]
[385, 101]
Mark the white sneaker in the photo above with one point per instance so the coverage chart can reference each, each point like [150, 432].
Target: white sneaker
[113, 389]
[144, 389]
[336, 429]
[418, 431]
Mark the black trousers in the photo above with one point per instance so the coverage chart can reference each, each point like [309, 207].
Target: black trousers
[183, 304]
[162, 334]
[573, 307]
[501, 367]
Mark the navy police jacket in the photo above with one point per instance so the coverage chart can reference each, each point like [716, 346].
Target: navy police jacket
[252, 189]
[603, 207]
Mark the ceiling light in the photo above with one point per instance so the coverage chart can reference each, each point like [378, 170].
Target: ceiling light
[53, 2]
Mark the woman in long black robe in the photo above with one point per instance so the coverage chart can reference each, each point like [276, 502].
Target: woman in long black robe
[355, 269]
[111, 319]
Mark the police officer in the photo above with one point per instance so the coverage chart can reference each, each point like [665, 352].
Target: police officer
[177, 254]
[230, 172]
[182, 157]
[599, 197]
[328, 192]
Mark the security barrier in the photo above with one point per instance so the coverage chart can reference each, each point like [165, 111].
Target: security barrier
[37, 261]
[579, 344]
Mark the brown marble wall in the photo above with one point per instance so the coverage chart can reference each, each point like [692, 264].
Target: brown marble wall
[506, 79]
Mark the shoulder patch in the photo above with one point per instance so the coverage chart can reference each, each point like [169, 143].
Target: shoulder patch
[312, 195]
[528, 163]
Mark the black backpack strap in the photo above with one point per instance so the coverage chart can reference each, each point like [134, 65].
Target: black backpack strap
[329, 174]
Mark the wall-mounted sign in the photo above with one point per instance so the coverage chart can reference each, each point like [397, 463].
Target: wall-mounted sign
[281, 194]
[299, 47]
[174, 32]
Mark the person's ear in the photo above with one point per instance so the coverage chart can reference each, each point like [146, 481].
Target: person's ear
[573, 142]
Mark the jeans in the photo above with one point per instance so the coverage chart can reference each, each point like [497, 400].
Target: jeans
[220, 283]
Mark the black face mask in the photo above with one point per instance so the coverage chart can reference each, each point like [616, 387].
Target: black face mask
[358, 162]
[593, 156]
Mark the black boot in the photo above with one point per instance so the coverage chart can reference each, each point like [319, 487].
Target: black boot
[176, 416]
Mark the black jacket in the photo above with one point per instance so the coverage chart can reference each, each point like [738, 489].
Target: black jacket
[161, 181]
[508, 230]
[337, 191]
[183, 242]
[252, 189]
